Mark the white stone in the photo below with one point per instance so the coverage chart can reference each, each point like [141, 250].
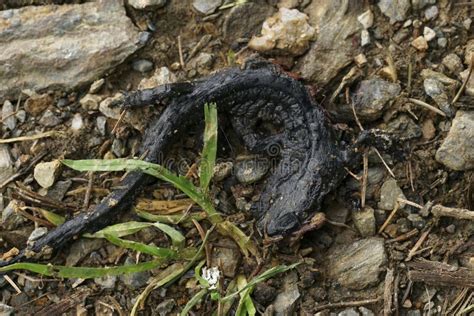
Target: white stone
[364, 38]
[8, 118]
[407, 23]
[77, 122]
[142, 4]
[45, 173]
[366, 19]
[288, 31]
[431, 13]
[428, 33]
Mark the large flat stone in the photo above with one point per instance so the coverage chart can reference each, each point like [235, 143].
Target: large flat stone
[62, 46]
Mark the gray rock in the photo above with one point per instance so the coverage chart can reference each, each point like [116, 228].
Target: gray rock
[404, 127]
[36, 234]
[11, 219]
[118, 148]
[420, 4]
[285, 302]
[349, 312]
[396, 10]
[436, 90]
[109, 111]
[252, 170]
[59, 189]
[81, 248]
[245, 20]
[222, 170]
[31, 36]
[135, 280]
[206, 6]
[371, 99]
[203, 62]
[21, 116]
[457, 150]
[49, 119]
[106, 282]
[287, 32]
[142, 4]
[442, 42]
[8, 118]
[357, 265]
[375, 175]
[431, 13]
[453, 63]
[142, 65]
[227, 257]
[413, 312]
[389, 193]
[6, 163]
[6, 310]
[364, 220]
[365, 311]
[45, 173]
[165, 307]
[333, 50]
[101, 123]
[417, 221]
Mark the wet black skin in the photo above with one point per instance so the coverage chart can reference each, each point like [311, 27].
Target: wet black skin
[311, 161]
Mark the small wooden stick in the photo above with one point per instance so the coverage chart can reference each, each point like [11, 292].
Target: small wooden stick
[463, 86]
[384, 163]
[13, 284]
[389, 219]
[458, 213]
[388, 292]
[418, 244]
[427, 106]
[365, 175]
[346, 304]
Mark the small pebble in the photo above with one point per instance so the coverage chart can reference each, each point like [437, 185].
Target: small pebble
[442, 42]
[96, 86]
[101, 122]
[142, 4]
[142, 65]
[49, 119]
[8, 118]
[453, 63]
[451, 229]
[364, 38]
[420, 43]
[21, 116]
[360, 60]
[431, 13]
[37, 234]
[206, 7]
[407, 23]
[467, 23]
[77, 123]
[428, 33]
[45, 173]
[366, 19]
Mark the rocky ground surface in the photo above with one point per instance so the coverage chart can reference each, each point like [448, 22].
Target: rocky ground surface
[398, 65]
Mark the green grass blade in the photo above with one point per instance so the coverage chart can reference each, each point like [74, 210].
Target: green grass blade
[246, 245]
[120, 230]
[81, 272]
[171, 276]
[175, 219]
[155, 170]
[166, 277]
[245, 306]
[209, 150]
[163, 253]
[270, 273]
[193, 301]
[177, 239]
[51, 217]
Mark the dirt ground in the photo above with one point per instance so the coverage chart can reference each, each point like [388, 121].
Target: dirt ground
[367, 259]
